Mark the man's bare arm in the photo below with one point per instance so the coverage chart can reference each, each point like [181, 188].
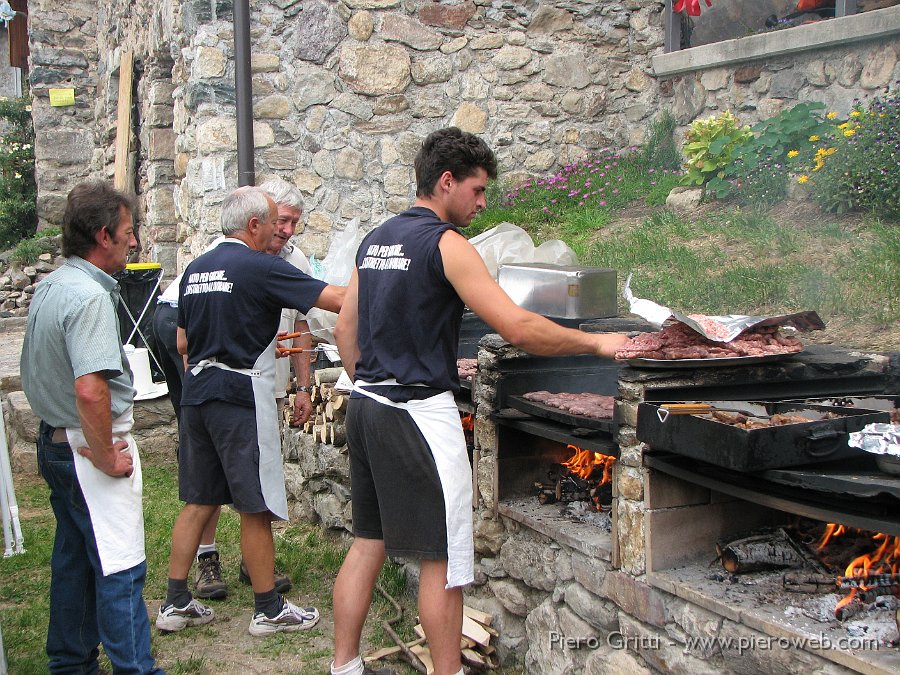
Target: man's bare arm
[181, 344]
[331, 298]
[345, 331]
[93, 402]
[300, 363]
[535, 334]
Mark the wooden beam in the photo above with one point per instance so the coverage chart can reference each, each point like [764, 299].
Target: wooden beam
[123, 122]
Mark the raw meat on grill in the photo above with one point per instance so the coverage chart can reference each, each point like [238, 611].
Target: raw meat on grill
[467, 368]
[678, 341]
[594, 406]
[748, 422]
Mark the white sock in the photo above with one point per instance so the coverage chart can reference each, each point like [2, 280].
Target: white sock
[206, 548]
[354, 667]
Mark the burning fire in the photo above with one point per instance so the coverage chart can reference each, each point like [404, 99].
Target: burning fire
[885, 559]
[468, 422]
[583, 463]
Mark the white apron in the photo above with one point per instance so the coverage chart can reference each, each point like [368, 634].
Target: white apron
[268, 431]
[117, 513]
[437, 418]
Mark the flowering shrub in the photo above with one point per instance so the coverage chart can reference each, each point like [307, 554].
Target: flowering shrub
[855, 164]
[762, 165]
[607, 180]
[18, 193]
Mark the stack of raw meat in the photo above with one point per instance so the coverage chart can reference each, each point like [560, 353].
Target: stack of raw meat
[467, 368]
[678, 341]
[594, 406]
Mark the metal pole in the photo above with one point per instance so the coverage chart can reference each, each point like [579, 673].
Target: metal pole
[243, 85]
[844, 7]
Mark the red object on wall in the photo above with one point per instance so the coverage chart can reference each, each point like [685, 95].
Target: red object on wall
[805, 5]
[692, 6]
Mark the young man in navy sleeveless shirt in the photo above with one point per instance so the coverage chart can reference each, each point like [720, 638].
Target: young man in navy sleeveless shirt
[398, 334]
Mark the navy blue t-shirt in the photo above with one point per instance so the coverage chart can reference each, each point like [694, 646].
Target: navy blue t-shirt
[230, 302]
[409, 313]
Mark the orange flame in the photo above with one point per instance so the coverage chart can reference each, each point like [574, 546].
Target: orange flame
[468, 422]
[885, 559]
[583, 462]
[832, 530]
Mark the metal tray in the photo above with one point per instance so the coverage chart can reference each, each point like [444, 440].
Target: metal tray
[667, 364]
[559, 415]
[703, 438]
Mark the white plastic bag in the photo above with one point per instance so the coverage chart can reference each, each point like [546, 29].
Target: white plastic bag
[508, 243]
[341, 257]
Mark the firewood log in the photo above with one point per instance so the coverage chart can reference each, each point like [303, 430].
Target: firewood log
[337, 435]
[327, 375]
[810, 583]
[760, 552]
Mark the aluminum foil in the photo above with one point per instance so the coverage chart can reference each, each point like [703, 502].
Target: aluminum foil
[879, 439]
[734, 324]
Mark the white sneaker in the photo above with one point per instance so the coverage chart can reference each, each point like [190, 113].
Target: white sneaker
[291, 618]
[171, 618]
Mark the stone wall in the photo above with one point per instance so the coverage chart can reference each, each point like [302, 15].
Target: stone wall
[78, 45]
[345, 90]
[758, 90]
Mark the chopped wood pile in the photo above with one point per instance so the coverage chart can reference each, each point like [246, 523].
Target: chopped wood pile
[329, 408]
[477, 651]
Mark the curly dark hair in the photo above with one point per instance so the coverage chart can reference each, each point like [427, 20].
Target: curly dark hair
[453, 150]
[91, 206]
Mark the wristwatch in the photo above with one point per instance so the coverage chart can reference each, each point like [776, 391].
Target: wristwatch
[304, 388]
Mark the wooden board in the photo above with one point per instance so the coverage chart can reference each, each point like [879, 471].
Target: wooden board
[123, 122]
[481, 617]
[475, 631]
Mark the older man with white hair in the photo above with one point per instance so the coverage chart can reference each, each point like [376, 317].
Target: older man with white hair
[289, 202]
[230, 302]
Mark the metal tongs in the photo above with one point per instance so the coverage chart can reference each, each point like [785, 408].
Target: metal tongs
[667, 409]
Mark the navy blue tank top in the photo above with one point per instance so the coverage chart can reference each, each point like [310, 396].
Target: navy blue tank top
[409, 313]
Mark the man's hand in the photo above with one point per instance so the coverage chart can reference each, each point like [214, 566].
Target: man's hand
[302, 409]
[118, 464]
[609, 343]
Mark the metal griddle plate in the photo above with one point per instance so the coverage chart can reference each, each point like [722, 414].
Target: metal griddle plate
[856, 478]
[667, 364]
[557, 415]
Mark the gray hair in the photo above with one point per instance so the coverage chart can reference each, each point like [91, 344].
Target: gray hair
[283, 193]
[240, 206]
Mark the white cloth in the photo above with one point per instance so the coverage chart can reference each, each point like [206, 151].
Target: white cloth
[115, 505]
[268, 431]
[293, 255]
[437, 418]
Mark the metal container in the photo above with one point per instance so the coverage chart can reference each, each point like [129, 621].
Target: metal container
[559, 291]
[823, 438]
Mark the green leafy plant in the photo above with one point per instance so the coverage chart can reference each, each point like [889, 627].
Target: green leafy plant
[709, 149]
[660, 150]
[18, 191]
[27, 252]
[761, 168]
[856, 163]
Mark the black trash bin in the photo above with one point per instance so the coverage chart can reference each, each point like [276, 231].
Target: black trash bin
[139, 285]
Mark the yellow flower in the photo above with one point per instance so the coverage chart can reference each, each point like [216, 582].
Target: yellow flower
[844, 125]
[831, 115]
[849, 132]
[813, 138]
[830, 151]
[793, 153]
[803, 179]
[855, 113]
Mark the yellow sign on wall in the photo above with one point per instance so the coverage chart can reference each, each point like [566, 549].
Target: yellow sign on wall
[62, 97]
